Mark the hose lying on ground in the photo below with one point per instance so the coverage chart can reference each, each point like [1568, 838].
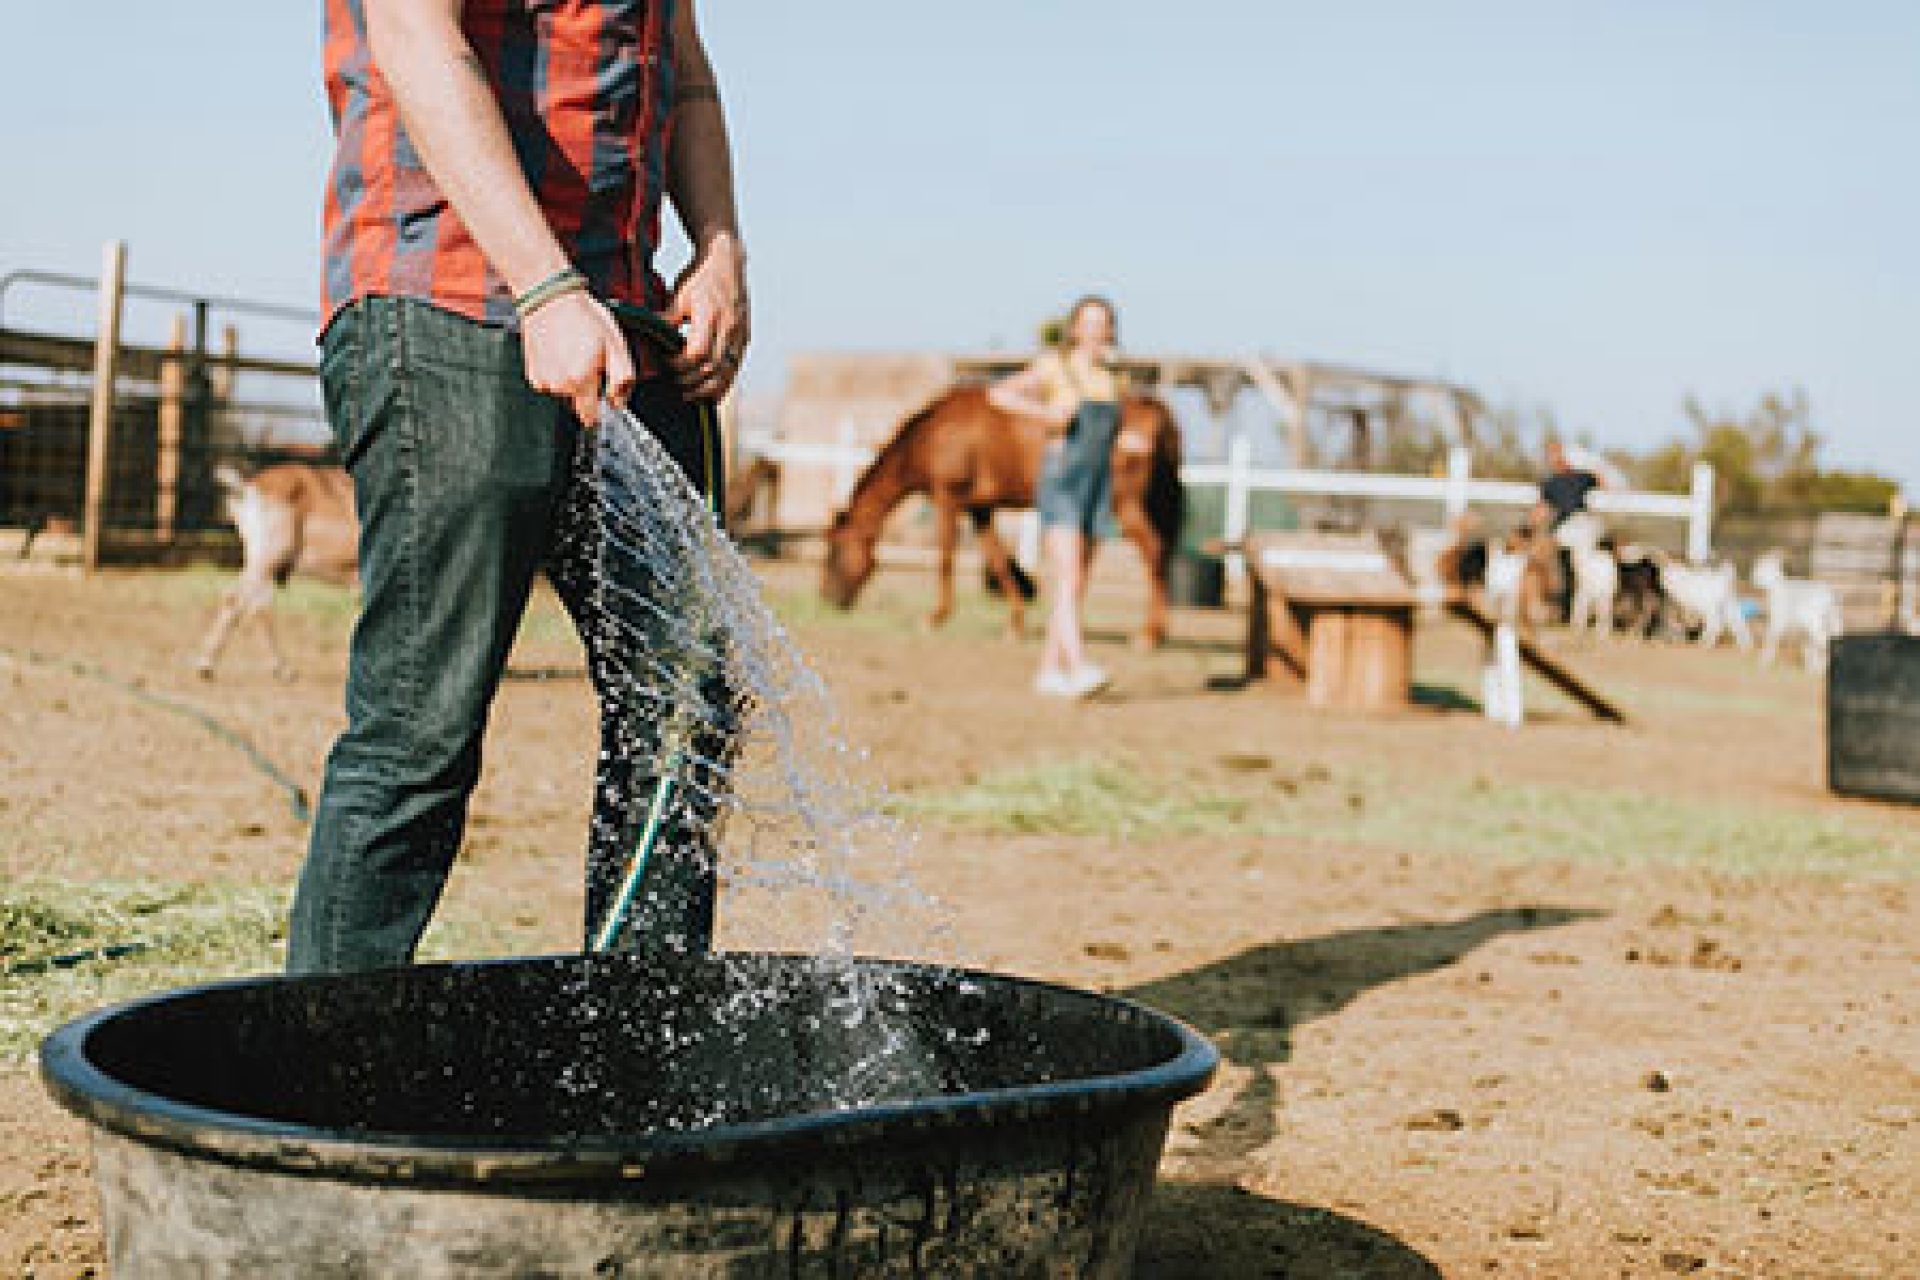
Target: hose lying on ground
[296, 797]
[71, 959]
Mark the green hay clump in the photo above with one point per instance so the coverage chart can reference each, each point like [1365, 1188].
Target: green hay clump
[1082, 798]
[1440, 813]
[66, 948]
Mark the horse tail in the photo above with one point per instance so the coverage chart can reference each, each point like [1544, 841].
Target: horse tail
[1166, 498]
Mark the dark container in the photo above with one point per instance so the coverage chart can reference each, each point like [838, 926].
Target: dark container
[1196, 581]
[743, 1116]
[1873, 717]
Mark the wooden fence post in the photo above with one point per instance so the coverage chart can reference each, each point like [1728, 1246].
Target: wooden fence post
[1896, 594]
[223, 376]
[173, 410]
[106, 360]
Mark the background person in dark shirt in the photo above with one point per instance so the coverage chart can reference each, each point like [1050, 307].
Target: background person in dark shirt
[1565, 489]
[1563, 493]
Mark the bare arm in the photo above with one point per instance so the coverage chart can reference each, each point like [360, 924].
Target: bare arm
[572, 346]
[710, 298]
[1024, 394]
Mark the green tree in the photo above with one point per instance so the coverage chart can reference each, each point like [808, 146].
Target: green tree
[1767, 459]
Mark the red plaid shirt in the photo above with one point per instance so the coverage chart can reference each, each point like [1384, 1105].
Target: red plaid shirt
[586, 88]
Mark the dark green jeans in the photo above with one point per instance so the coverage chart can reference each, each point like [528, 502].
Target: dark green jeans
[468, 483]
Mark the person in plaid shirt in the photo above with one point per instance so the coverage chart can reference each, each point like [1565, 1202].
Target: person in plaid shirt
[498, 180]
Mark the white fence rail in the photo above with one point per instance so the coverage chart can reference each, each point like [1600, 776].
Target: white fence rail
[1453, 492]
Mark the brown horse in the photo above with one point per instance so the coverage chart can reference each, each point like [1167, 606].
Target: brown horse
[967, 455]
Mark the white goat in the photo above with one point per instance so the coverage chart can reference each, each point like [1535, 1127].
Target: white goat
[1515, 591]
[1796, 605]
[1596, 586]
[1596, 574]
[1710, 595]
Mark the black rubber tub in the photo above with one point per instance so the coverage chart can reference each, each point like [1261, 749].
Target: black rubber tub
[753, 1115]
[1873, 717]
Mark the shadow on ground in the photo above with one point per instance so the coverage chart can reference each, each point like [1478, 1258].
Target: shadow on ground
[1424, 695]
[1220, 1232]
[1442, 697]
[1203, 1224]
[1105, 637]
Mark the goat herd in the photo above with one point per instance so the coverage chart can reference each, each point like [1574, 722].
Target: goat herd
[1607, 587]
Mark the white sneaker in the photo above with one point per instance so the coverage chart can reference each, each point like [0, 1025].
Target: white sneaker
[1087, 680]
[1054, 684]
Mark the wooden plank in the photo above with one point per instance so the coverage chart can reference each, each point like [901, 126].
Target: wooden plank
[1273, 630]
[1328, 639]
[1367, 656]
[1385, 643]
[66, 355]
[1842, 524]
[172, 418]
[113, 278]
[1329, 569]
[1550, 667]
[143, 364]
[1861, 552]
[1287, 633]
[1866, 559]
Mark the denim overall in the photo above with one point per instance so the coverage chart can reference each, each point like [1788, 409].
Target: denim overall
[1076, 477]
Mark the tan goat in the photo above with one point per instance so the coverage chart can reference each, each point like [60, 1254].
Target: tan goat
[299, 518]
[292, 518]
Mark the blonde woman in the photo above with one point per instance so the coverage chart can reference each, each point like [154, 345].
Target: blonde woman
[1075, 389]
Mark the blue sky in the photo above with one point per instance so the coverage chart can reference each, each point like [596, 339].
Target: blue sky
[1597, 207]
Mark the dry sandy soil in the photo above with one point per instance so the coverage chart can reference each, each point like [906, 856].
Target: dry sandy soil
[1568, 1001]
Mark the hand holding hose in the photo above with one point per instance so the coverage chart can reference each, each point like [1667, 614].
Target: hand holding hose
[574, 350]
[710, 302]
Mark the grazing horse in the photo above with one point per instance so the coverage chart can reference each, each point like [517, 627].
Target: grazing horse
[969, 456]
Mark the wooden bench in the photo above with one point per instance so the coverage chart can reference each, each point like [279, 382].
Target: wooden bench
[1336, 613]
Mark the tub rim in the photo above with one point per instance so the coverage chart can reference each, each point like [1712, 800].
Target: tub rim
[230, 1137]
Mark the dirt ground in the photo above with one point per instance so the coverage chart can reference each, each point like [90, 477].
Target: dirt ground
[1568, 1001]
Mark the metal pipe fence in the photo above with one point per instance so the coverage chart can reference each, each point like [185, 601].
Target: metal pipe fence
[114, 454]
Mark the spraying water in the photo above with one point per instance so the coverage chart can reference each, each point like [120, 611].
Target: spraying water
[748, 763]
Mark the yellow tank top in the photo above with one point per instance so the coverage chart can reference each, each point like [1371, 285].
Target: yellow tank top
[1072, 380]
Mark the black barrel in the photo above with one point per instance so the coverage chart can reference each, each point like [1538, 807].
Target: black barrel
[1196, 581]
[1873, 717]
[749, 1115]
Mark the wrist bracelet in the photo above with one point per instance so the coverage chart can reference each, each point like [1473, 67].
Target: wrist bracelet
[564, 281]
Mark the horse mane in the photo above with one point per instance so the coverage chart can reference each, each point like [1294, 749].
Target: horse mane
[903, 435]
[893, 454]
